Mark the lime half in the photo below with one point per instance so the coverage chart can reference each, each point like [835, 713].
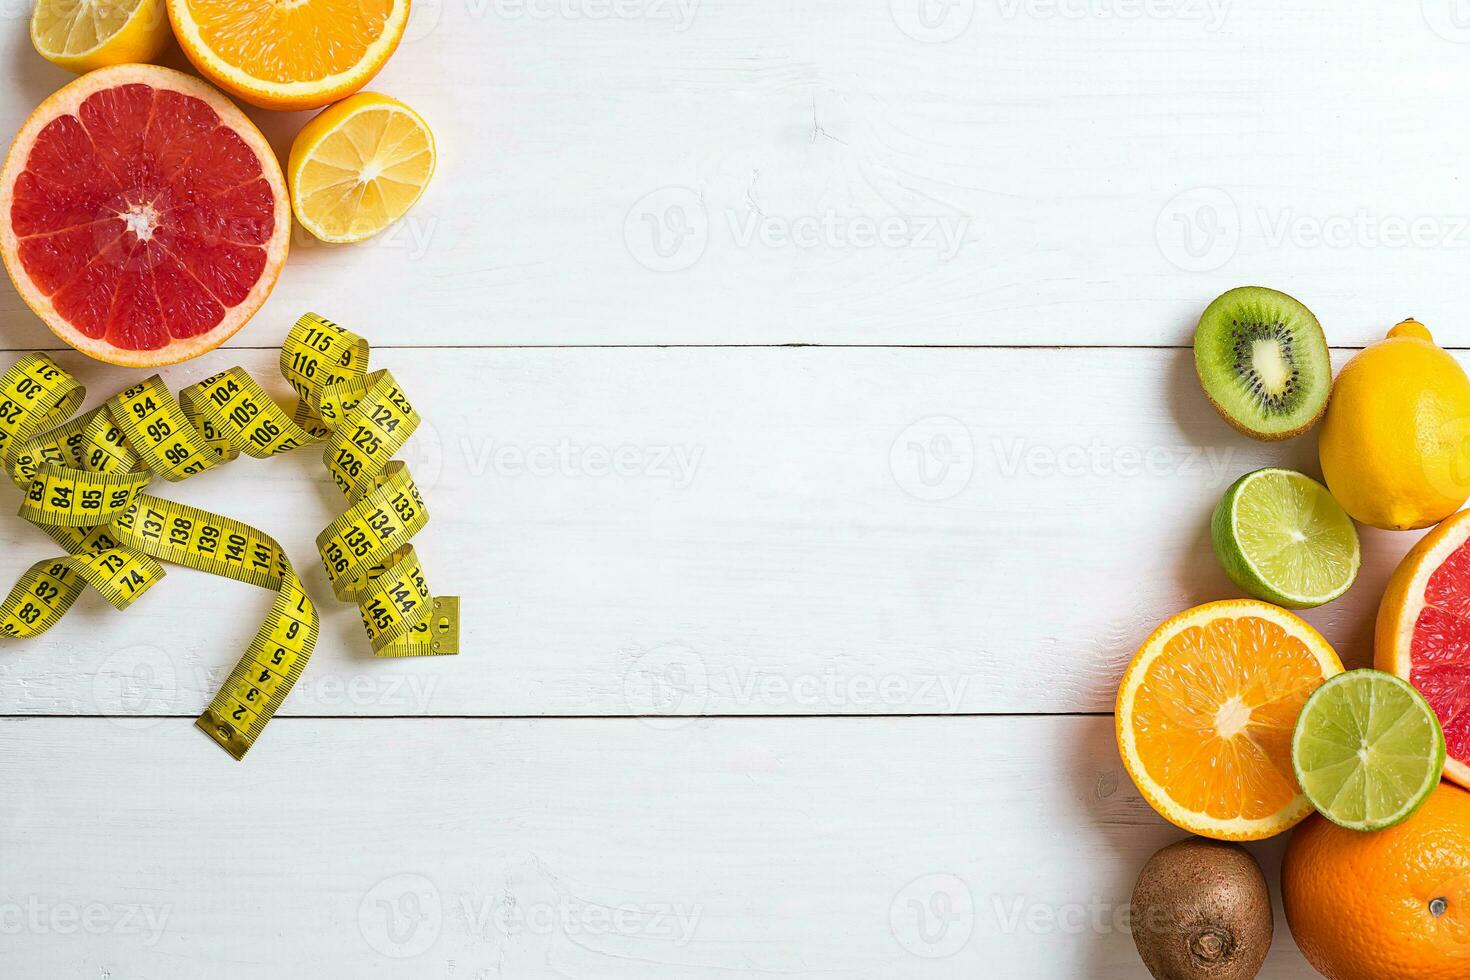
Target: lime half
[1281, 537]
[1367, 750]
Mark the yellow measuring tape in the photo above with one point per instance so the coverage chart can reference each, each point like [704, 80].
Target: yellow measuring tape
[84, 480]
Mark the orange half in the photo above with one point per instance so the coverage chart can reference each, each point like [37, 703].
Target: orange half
[297, 55]
[1205, 714]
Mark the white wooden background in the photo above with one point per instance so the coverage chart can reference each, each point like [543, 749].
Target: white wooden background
[813, 437]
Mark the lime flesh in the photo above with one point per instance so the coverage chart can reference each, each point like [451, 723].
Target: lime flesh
[1282, 537]
[1367, 750]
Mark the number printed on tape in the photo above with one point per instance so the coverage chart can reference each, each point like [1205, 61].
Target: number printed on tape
[84, 483]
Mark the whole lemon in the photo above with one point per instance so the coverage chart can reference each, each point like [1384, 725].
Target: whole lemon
[1395, 443]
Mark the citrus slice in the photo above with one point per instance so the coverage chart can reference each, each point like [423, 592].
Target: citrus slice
[298, 55]
[142, 216]
[358, 167]
[80, 35]
[1205, 715]
[1281, 537]
[1423, 632]
[1367, 750]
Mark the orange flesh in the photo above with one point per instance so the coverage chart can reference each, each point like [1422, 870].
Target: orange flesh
[290, 41]
[1214, 716]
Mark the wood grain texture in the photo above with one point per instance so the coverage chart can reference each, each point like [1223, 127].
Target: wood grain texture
[722, 529]
[863, 848]
[752, 531]
[1056, 172]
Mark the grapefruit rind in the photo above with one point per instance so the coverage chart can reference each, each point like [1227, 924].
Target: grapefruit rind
[1234, 829]
[66, 101]
[1403, 601]
[267, 94]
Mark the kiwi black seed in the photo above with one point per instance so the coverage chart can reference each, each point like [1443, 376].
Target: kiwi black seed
[1201, 911]
[1262, 359]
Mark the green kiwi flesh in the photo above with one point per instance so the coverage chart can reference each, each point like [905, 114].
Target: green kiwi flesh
[1262, 359]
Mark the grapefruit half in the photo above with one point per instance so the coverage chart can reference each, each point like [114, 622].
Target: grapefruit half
[142, 215]
[1423, 632]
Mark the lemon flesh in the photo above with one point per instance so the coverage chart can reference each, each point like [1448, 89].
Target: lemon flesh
[358, 167]
[83, 35]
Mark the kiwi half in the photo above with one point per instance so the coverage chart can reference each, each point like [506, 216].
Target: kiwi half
[1262, 359]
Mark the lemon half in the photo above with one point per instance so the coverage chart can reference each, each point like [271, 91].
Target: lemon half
[81, 35]
[358, 167]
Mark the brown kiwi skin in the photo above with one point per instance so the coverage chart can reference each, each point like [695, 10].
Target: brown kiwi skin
[1201, 911]
[1255, 433]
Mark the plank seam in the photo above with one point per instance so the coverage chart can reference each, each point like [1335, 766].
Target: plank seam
[670, 717]
[784, 346]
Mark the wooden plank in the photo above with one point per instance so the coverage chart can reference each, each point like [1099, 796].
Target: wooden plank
[1075, 172]
[469, 848]
[753, 531]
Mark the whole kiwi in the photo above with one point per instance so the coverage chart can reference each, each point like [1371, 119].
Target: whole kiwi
[1201, 911]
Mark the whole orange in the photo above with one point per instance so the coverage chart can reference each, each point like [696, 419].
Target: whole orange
[1391, 905]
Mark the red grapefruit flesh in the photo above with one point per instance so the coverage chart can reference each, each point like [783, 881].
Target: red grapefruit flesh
[142, 215]
[1423, 632]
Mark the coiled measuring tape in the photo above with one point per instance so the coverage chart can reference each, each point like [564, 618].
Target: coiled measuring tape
[84, 482]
